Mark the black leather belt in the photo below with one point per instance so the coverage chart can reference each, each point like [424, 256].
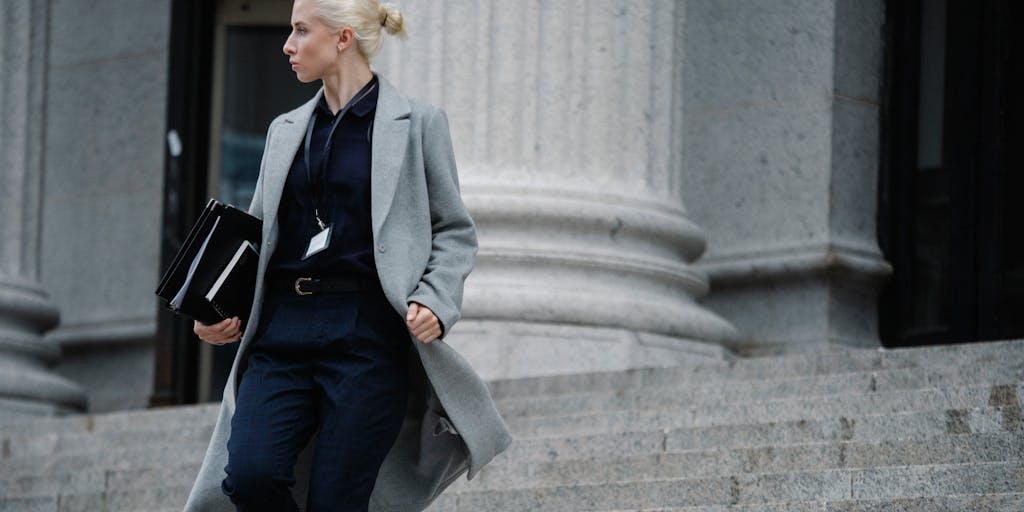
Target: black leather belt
[318, 285]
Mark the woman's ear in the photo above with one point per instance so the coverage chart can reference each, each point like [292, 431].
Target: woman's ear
[346, 37]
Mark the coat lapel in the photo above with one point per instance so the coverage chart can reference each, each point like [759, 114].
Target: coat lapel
[284, 145]
[390, 138]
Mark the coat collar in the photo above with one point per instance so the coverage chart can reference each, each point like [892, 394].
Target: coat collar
[390, 138]
[367, 102]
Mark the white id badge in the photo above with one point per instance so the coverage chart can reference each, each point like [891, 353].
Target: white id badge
[319, 242]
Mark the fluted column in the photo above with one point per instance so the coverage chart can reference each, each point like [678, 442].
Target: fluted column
[26, 311]
[566, 124]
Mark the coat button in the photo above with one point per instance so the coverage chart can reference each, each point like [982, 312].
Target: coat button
[380, 247]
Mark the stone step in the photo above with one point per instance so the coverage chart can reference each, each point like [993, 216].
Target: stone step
[804, 506]
[49, 444]
[1006, 502]
[715, 413]
[649, 428]
[120, 458]
[195, 424]
[44, 504]
[1004, 368]
[832, 485]
[74, 482]
[93, 485]
[446, 502]
[762, 368]
[122, 421]
[776, 389]
[165, 499]
[938, 480]
[507, 472]
[861, 428]
[577, 445]
[967, 357]
[869, 428]
[962, 419]
[975, 487]
[567, 455]
[939, 427]
[158, 499]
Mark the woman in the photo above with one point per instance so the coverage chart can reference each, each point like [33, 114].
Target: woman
[366, 247]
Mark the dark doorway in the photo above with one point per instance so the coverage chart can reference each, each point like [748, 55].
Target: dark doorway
[228, 80]
[950, 173]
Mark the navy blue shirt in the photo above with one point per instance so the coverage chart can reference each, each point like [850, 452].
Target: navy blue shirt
[344, 197]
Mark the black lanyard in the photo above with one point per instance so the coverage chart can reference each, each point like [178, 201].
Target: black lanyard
[322, 175]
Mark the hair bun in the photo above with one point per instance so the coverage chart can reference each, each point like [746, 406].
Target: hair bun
[391, 20]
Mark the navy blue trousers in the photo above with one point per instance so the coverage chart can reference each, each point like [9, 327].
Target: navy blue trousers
[337, 363]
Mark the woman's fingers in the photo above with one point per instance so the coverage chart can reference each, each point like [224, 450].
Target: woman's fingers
[424, 316]
[224, 326]
[424, 325]
[222, 332]
[428, 335]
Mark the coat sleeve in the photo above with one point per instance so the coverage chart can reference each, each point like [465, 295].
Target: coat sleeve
[454, 244]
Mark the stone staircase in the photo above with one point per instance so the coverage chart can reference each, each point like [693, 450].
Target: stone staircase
[928, 429]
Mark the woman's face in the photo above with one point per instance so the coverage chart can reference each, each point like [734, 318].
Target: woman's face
[312, 47]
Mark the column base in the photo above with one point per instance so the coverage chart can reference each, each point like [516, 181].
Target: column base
[26, 383]
[799, 299]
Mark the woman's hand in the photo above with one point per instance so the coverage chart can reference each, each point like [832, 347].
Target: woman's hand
[422, 322]
[225, 331]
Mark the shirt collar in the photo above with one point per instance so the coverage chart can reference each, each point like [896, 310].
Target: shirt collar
[360, 108]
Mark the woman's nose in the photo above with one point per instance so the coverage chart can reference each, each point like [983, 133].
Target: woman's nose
[288, 49]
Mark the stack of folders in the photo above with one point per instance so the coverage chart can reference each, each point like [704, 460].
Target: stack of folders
[213, 276]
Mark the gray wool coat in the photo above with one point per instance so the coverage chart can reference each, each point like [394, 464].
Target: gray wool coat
[425, 244]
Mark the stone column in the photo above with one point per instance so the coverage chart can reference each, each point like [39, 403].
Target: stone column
[566, 122]
[26, 311]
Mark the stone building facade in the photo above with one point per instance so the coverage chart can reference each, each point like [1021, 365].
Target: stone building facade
[653, 181]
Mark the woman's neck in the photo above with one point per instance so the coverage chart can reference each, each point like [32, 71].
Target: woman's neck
[342, 84]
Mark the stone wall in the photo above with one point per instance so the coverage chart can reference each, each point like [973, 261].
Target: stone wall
[781, 106]
[618, 157]
[103, 177]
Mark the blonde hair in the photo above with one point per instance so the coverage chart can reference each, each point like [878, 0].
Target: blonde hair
[366, 17]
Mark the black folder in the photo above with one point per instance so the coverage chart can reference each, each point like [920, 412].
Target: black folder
[213, 276]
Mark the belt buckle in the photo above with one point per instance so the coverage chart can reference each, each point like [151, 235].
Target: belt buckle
[298, 285]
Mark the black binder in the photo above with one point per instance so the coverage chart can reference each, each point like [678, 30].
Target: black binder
[213, 276]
